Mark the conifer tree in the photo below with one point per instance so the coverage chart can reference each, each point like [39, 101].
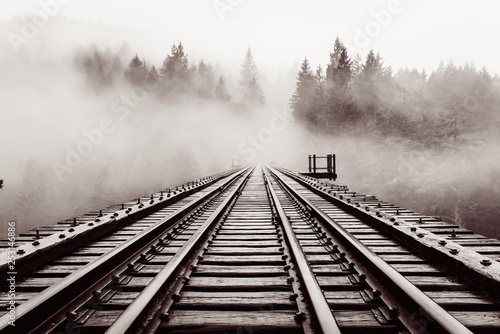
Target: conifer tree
[221, 91]
[136, 72]
[175, 66]
[251, 91]
[153, 76]
[304, 89]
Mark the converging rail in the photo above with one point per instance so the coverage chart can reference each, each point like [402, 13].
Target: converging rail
[255, 250]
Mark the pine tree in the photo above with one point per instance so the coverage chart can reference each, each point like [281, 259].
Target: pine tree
[318, 99]
[301, 99]
[175, 66]
[334, 58]
[136, 72]
[206, 79]
[342, 113]
[175, 71]
[368, 90]
[372, 67]
[342, 74]
[153, 76]
[221, 91]
[252, 93]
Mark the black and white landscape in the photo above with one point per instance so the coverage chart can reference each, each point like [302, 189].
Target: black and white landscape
[102, 102]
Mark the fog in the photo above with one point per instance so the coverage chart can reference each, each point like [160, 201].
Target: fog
[69, 146]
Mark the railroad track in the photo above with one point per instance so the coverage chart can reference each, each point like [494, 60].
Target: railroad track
[258, 250]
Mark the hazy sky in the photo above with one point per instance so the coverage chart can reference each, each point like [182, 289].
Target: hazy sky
[281, 32]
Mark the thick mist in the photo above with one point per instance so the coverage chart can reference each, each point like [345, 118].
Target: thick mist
[459, 186]
[67, 148]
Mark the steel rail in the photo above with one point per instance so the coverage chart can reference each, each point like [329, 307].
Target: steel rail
[49, 247]
[439, 315]
[324, 316]
[134, 312]
[42, 305]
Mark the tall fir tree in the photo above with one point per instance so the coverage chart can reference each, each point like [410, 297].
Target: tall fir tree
[342, 114]
[153, 77]
[175, 66]
[221, 90]
[249, 82]
[175, 71]
[136, 72]
[206, 79]
[318, 100]
[304, 90]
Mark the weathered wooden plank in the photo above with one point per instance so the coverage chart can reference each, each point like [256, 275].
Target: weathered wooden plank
[243, 283]
[160, 259]
[56, 270]
[463, 300]
[243, 250]
[342, 300]
[402, 258]
[244, 243]
[125, 296]
[115, 238]
[314, 249]
[308, 236]
[74, 259]
[418, 269]
[137, 283]
[251, 232]
[243, 259]
[263, 300]
[389, 250]
[91, 251]
[310, 242]
[104, 244]
[447, 230]
[232, 228]
[479, 320]
[168, 250]
[382, 242]
[34, 284]
[239, 224]
[362, 321]
[436, 282]
[372, 237]
[320, 258]
[358, 231]
[329, 269]
[187, 321]
[245, 237]
[239, 270]
[478, 242]
[335, 282]
[485, 249]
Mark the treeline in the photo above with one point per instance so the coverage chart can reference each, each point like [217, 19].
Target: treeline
[175, 76]
[353, 96]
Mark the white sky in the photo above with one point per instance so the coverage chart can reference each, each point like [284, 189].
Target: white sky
[281, 32]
